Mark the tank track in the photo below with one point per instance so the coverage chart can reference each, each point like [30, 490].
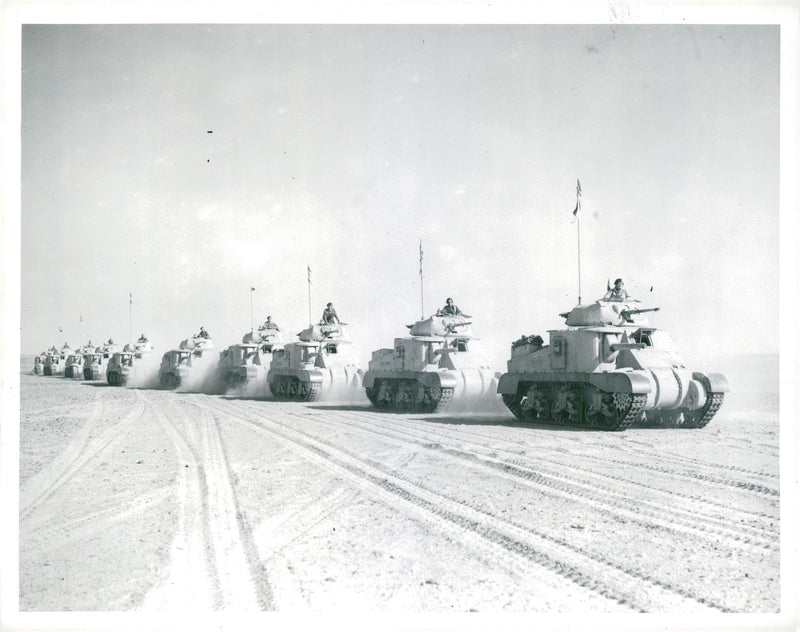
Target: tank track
[293, 390]
[435, 400]
[313, 393]
[445, 395]
[630, 413]
[700, 418]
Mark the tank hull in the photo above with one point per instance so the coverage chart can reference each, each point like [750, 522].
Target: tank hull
[308, 385]
[118, 377]
[172, 378]
[73, 371]
[426, 391]
[239, 376]
[92, 373]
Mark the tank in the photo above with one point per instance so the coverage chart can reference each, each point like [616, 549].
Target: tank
[608, 369]
[73, 367]
[119, 368]
[242, 363]
[175, 367]
[55, 360]
[321, 359]
[439, 361]
[38, 363]
[93, 367]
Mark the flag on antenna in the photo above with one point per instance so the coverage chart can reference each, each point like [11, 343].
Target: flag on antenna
[420, 257]
[578, 203]
[59, 329]
[130, 294]
[252, 289]
[309, 274]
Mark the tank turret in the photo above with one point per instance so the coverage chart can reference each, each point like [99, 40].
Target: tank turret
[142, 347]
[439, 361]
[197, 344]
[608, 369]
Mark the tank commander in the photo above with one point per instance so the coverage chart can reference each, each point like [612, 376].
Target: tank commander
[269, 324]
[142, 338]
[329, 316]
[450, 309]
[203, 333]
[616, 293]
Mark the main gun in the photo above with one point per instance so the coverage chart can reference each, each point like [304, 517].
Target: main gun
[627, 313]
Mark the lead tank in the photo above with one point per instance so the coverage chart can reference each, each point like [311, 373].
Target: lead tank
[323, 358]
[608, 369]
[440, 360]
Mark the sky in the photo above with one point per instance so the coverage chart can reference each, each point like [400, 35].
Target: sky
[184, 164]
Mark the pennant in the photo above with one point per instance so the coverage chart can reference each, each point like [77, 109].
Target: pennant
[420, 257]
[309, 274]
[578, 203]
[252, 289]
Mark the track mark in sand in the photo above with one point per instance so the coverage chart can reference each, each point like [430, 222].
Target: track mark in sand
[557, 561]
[75, 456]
[603, 497]
[53, 535]
[422, 437]
[212, 559]
[699, 476]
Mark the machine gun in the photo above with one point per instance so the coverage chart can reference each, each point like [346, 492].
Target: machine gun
[626, 313]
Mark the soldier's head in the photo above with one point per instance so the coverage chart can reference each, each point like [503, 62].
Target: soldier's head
[449, 301]
[618, 284]
[330, 305]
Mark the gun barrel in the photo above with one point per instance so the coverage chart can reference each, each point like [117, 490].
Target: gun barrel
[640, 311]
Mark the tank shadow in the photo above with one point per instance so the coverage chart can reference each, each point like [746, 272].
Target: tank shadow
[494, 420]
[347, 407]
[97, 384]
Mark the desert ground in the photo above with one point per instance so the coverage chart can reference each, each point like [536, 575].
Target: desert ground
[142, 499]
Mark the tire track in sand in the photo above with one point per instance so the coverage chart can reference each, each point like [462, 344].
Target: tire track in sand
[557, 561]
[212, 559]
[599, 490]
[42, 485]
